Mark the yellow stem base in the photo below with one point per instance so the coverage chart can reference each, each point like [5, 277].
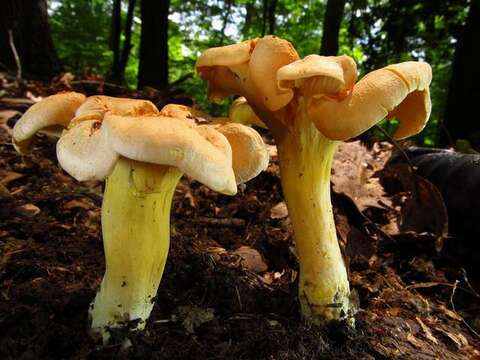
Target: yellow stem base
[136, 237]
[305, 157]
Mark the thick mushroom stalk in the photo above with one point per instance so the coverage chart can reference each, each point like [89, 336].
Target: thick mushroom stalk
[136, 236]
[309, 104]
[143, 155]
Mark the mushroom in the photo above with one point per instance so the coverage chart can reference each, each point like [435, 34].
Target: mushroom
[142, 158]
[243, 113]
[309, 104]
[57, 112]
[50, 113]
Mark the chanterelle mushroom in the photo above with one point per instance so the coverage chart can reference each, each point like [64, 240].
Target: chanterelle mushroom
[143, 154]
[308, 104]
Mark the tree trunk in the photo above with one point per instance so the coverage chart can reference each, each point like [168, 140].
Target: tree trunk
[121, 59]
[115, 40]
[249, 12]
[271, 16]
[153, 68]
[460, 121]
[28, 22]
[264, 17]
[269, 8]
[226, 15]
[331, 28]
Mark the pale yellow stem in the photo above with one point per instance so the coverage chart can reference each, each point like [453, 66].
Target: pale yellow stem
[136, 236]
[305, 157]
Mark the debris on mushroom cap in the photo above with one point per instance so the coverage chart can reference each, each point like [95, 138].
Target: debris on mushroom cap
[55, 110]
[319, 75]
[84, 153]
[183, 112]
[241, 112]
[249, 153]
[399, 90]
[96, 106]
[202, 153]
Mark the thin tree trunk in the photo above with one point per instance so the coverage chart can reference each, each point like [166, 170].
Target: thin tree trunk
[226, 15]
[249, 10]
[153, 68]
[264, 17]
[271, 16]
[121, 55]
[115, 40]
[28, 22]
[127, 44]
[331, 28]
[464, 94]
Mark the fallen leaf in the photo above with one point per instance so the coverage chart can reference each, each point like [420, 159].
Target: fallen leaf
[77, 204]
[353, 173]
[194, 316]
[426, 330]
[424, 210]
[8, 176]
[29, 210]
[279, 211]
[457, 339]
[251, 259]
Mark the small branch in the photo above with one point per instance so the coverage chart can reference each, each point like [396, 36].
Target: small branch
[180, 80]
[452, 304]
[15, 54]
[397, 146]
[231, 222]
[96, 82]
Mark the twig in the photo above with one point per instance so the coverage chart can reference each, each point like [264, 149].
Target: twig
[96, 82]
[412, 168]
[180, 80]
[233, 222]
[15, 54]
[397, 146]
[452, 304]
[239, 298]
[465, 278]
[7, 69]
[426, 285]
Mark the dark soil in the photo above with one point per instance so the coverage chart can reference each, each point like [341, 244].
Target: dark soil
[415, 303]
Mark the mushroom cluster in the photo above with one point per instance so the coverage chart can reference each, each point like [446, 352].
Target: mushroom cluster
[142, 153]
[309, 104]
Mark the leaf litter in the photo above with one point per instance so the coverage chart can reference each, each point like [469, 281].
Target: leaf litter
[229, 288]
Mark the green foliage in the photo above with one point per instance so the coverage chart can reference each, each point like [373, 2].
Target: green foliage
[80, 30]
[397, 30]
[374, 32]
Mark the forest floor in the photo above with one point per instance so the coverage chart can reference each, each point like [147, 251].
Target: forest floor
[229, 290]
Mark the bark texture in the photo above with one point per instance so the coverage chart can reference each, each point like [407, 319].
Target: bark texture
[153, 68]
[331, 29]
[28, 22]
[460, 121]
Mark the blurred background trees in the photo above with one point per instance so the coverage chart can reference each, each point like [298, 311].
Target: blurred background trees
[156, 42]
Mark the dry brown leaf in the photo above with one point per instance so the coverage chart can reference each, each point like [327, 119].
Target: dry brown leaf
[8, 176]
[457, 339]
[5, 116]
[426, 330]
[353, 172]
[279, 211]
[194, 316]
[251, 259]
[77, 204]
[424, 210]
[29, 210]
